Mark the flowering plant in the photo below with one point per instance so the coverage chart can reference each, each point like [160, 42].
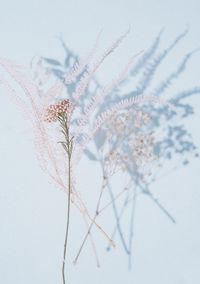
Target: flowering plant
[63, 128]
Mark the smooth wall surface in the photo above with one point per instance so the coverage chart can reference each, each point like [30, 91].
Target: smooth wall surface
[32, 211]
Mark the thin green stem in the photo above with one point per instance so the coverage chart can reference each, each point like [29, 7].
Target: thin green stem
[68, 147]
[68, 218]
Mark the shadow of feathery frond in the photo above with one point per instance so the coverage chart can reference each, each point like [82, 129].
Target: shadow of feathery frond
[176, 140]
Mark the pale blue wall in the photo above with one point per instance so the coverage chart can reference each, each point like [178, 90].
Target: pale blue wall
[32, 211]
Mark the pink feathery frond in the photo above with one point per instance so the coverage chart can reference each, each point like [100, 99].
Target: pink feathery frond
[22, 106]
[123, 104]
[71, 77]
[79, 67]
[47, 150]
[24, 80]
[88, 74]
[54, 91]
[20, 75]
[101, 94]
[104, 116]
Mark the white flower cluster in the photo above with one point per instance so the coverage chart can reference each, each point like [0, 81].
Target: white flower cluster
[129, 141]
[142, 149]
[125, 122]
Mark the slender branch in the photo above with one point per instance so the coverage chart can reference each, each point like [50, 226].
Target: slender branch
[93, 221]
[68, 148]
[68, 217]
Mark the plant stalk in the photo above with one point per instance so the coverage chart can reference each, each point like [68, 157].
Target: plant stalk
[68, 150]
[68, 217]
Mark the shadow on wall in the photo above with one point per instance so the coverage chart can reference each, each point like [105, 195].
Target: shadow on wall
[174, 142]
